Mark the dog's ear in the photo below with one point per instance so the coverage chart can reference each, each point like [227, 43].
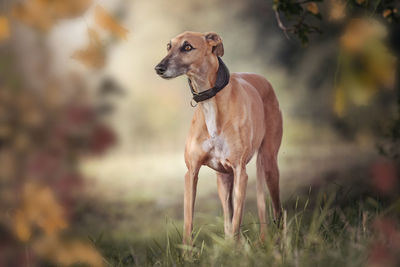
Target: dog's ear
[215, 41]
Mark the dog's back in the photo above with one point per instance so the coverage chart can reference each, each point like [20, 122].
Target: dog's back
[262, 85]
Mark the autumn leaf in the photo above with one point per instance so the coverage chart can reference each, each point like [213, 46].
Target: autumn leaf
[68, 8]
[367, 64]
[39, 208]
[22, 226]
[8, 165]
[4, 28]
[34, 14]
[359, 31]
[43, 209]
[106, 21]
[313, 8]
[354, 36]
[67, 253]
[339, 104]
[386, 13]
[43, 14]
[384, 176]
[93, 56]
[337, 10]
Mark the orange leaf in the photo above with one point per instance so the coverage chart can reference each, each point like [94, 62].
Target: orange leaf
[337, 10]
[92, 56]
[68, 8]
[313, 8]
[386, 13]
[94, 37]
[33, 13]
[339, 104]
[4, 28]
[22, 226]
[43, 14]
[106, 21]
[67, 252]
[359, 31]
[39, 208]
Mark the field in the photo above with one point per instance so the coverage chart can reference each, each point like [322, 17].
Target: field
[330, 215]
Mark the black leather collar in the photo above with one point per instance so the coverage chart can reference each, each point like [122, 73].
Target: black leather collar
[222, 80]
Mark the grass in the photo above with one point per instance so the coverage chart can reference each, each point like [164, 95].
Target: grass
[136, 215]
[317, 230]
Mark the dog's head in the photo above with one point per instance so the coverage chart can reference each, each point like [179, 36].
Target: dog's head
[188, 51]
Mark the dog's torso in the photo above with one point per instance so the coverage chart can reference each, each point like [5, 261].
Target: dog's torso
[229, 128]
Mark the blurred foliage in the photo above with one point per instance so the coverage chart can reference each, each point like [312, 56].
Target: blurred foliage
[365, 64]
[43, 135]
[301, 13]
[4, 28]
[367, 33]
[106, 21]
[93, 55]
[43, 14]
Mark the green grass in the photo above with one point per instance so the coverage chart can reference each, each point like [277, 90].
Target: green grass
[317, 230]
[135, 216]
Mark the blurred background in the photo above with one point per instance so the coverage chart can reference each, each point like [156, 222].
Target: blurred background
[92, 140]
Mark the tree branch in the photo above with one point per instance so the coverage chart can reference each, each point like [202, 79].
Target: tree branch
[280, 24]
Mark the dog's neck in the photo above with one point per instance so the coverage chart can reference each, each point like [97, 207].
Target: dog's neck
[205, 76]
[203, 79]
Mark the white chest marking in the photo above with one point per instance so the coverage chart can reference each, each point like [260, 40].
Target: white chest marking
[216, 145]
[210, 117]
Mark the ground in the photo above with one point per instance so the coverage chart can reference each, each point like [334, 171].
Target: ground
[138, 218]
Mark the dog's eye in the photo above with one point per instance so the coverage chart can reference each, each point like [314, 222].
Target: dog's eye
[168, 46]
[187, 48]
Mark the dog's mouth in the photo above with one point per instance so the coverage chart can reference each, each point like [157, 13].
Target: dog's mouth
[166, 77]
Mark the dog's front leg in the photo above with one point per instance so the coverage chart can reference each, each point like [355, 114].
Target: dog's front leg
[191, 178]
[239, 191]
[225, 184]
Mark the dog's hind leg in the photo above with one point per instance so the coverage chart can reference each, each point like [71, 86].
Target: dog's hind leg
[269, 165]
[267, 168]
[268, 154]
[272, 178]
[260, 184]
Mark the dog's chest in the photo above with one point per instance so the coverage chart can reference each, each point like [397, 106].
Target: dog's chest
[215, 146]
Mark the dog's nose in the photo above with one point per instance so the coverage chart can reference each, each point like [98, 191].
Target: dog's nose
[160, 69]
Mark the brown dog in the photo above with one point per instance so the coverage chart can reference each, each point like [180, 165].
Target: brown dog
[237, 117]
